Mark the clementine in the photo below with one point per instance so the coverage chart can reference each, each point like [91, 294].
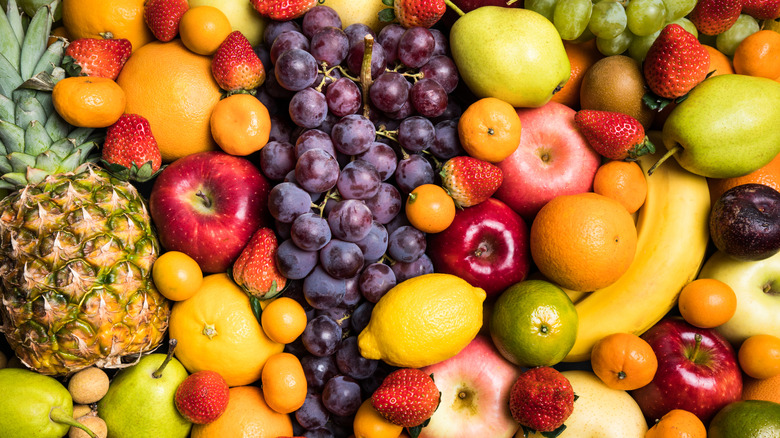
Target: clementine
[247, 416]
[106, 19]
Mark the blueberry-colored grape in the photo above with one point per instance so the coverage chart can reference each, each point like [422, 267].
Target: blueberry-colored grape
[354, 58]
[314, 139]
[293, 262]
[443, 70]
[404, 271]
[353, 134]
[343, 97]
[317, 171]
[428, 97]
[388, 37]
[318, 370]
[447, 143]
[287, 200]
[374, 245]
[274, 28]
[312, 414]
[276, 159]
[360, 316]
[389, 91]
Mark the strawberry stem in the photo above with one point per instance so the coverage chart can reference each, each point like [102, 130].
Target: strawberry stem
[665, 157]
[455, 7]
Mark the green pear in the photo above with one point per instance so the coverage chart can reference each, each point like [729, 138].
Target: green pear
[512, 54]
[140, 400]
[34, 405]
[728, 126]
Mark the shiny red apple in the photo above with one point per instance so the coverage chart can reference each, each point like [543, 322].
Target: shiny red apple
[486, 244]
[697, 371]
[207, 205]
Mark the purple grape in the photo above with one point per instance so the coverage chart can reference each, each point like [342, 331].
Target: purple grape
[327, 126]
[291, 39]
[404, 271]
[375, 281]
[452, 112]
[359, 179]
[389, 91]
[447, 142]
[261, 94]
[343, 97]
[318, 18]
[388, 37]
[320, 432]
[374, 245]
[350, 220]
[382, 157]
[341, 395]
[416, 46]
[317, 171]
[315, 196]
[355, 58]
[412, 172]
[322, 290]
[428, 97]
[341, 260]
[310, 232]
[314, 139]
[264, 54]
[276, 159]
[407, 110]
[281, 129]
[308, 108]
[360, 316]
[293, 262]
[321, 337]
[406, 244]
[312, 414]
[339, 313]
[386, 204]
[296, 69]
[352, 296]
[356, 32]
[353, 134]
[351, 363]
[397, 222]
[330, 45]
[442, 45]
[274, 28]
[416, 134]
[318, 370]
[287, 200]
[275, 89]
[442, 70]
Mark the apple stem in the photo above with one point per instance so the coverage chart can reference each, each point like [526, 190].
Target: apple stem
[365, 73]
[672, 151]
[206, 200]
[171, 347]
[455, 7]
[697, 338]
[58, 415]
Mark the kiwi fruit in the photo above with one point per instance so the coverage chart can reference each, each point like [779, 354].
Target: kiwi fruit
[616, 83]
[81, 410]
[93, 423]
[88, 385]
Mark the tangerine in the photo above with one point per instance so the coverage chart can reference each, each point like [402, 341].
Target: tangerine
[489, 129]
[623, 181]
[720, 64]
[283, 320]
[761, 389]
[176, 275]
[107, 19]
[707, 302]
[203, 28]
[369, 423]
[759, 55]
[768, 175]
[624, 361]
[247, 416]
[89, 102]
[430, 208]
[678, 423]
[759, 356]
[284, 383]
[240, 124]
[581, 57]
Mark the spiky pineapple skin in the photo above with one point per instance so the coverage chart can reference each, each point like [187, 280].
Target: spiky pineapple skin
[76, 255]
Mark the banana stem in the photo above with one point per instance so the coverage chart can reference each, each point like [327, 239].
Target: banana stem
[58, 415]
[672, 151]
[455, 7]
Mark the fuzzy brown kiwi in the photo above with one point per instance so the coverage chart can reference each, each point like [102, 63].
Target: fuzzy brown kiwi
[88, 385]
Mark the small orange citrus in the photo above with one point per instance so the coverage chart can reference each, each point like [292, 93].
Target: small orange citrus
[678, 423]
[203, 28]
[283, 320]
[284, 383]
[489, 129]
[581, 57]
[759, 356]
[759, 55]
[89, 102]
[623, 181]
[624, 361]
[707, 303]
[98, 18]
[430, 209]
[240, 124]
[768, 175]
[369, 423]
[247, 416]
[177, 275]
[761, 389]
[720, 64]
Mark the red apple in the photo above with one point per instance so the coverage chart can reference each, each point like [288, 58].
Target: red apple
[553, 159]
[474, 387]
[697, 371]
[486, 245]
[207, 205]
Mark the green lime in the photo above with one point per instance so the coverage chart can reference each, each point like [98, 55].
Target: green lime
[534, 323]
[746, 419]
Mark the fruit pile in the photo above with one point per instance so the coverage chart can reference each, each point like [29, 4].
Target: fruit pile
[389, 218]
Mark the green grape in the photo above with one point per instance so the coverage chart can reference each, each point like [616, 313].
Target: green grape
[645, 16]
[608, 19]
[687, 25]
[640, 45]
[586, 36]
[728, 41]
[615, 46]
[543, 7]
[571, 17]
[678, 8]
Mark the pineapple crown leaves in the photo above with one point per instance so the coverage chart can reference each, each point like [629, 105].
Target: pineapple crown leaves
[143, 173]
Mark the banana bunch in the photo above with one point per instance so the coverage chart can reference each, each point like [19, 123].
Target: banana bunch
[673, 234]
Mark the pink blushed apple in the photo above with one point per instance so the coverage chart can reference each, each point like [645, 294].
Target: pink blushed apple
[553, 159]
[474, 387]
[208, 205]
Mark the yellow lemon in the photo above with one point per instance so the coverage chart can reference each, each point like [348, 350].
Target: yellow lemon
[423, 320]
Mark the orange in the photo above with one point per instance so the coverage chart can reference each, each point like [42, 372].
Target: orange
[759, 356]
[203, 28]
[768, 175]
[283, 320]
[581, 57]
[489, 129]
[177, 275]
[240, 124]
[430, 209]
[761, 389]
[707, 303]
[89, 102]
[284, 383]
[97, 18]
[175, 91]
[584, 241]
[623, 181]
[247, 416]
[719, 63]
[759, 55]
[624, 361]
[678, 423]
[217, 330]
[369, 423]
[57, 32]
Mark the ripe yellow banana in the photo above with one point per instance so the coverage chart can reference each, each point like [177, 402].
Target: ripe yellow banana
[673, 233]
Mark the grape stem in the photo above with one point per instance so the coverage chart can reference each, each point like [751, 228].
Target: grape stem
[365, 73]
[383, 132]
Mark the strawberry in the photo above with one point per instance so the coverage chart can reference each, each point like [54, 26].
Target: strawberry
[407, 397]
[162, 17]
[235, 66]
[541, 399]
[102, 57]
[712, 17]
[470, 180]
[675, 63]
[614, 135]
[283, 10]
[762, 9]
[130, 150]
[255, 268]
[412, 13]
[202, 397]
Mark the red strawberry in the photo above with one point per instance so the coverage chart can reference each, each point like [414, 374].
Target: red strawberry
[470, 180]
[202, 397]
[162, 17]
[712, 17]
[103, 57]
[235, 66]
[283, 10]
[130, 150]
[762, 9]
[255, 268]
[411, 13]
[614, 135]
[541, 399]
[407, 397]
[675, 63]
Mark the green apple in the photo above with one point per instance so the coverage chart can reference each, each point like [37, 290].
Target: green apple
[515, 55]
[242, 17]
[757, 285]
[358, 11]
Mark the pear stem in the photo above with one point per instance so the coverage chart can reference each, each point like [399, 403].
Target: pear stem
[672, 151]
[454, 7]
[171, 347]
[58, 415]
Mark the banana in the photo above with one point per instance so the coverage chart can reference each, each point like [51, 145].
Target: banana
[673, 234]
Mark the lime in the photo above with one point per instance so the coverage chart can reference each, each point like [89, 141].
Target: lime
[534, 323]
[746, 419]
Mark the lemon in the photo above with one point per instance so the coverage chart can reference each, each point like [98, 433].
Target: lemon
[423, 320]
[534, 323]
[746, 419]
